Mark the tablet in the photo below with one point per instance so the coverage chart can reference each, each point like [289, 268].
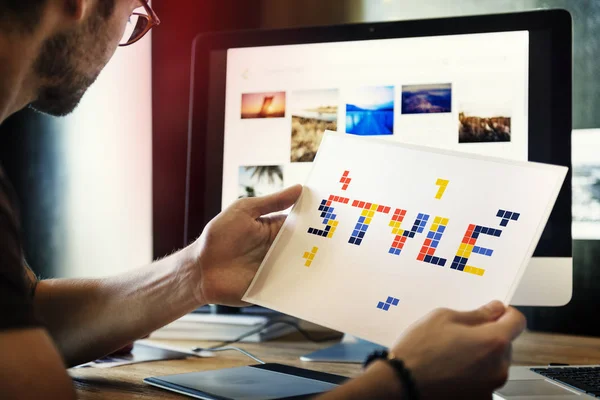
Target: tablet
[254, 382]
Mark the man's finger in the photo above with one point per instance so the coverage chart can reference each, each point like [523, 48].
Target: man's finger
[510, 324]
[259, 206]
[488, 313]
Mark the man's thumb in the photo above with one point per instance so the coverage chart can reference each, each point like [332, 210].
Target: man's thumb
[488, 313]
[259, 206]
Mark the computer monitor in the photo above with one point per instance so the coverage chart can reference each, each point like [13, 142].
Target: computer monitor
[497, 85]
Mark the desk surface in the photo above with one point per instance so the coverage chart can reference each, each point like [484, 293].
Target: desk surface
[126, 382]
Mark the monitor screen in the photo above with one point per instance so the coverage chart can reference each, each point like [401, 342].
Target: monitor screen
[497, 85]
[466, 92]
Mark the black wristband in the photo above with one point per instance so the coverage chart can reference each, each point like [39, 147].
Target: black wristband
[403, 373]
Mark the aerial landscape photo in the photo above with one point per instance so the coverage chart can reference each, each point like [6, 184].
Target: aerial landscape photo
[427, 99]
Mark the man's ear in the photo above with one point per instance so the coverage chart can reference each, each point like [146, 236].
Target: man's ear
[75, 10]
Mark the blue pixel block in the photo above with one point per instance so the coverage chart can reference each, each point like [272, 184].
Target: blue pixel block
[504, 222]
[395, 302]
[352, 240]
[431, 235]
[398, 252]
[441, 229]
[515, 216]
[489, 252]
[380, 305]
[358, 242]
[361, 220]
[386, 307]
[478, 228]
[389, 300]
[442, 262]
[500, 213]
[392, 250]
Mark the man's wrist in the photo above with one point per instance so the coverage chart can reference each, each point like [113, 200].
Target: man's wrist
[189, 271]
[386, 379]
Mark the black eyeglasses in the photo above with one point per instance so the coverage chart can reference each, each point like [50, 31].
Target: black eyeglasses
[139, 24]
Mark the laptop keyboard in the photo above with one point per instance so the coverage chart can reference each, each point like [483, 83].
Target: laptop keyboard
[586, 379]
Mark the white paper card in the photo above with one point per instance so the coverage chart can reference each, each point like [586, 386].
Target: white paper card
[385, 232]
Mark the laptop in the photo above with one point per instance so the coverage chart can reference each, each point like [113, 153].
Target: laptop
[551, 382]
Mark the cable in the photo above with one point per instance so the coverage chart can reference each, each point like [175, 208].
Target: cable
[264, 326]
[227, 348]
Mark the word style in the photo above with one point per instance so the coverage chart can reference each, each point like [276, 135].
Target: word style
[467, 247]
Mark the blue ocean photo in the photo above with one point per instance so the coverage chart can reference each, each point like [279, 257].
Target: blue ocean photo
[370, 111]
[427, 99]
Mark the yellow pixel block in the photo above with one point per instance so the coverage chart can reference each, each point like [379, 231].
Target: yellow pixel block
[443, 184]
[314, 250]
[397, 224]
[364, 213]
[462, 246]
[395, 231]
[437, 220]
[371, 214]
[374, 207]
[434, 227]
[368, 220]
[444, 221]
[474, 270]
[306, 254]
[307, 263]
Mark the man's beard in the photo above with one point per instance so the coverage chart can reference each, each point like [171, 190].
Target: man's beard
[58, 68]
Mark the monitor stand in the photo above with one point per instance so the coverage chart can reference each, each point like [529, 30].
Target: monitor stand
[350, 350]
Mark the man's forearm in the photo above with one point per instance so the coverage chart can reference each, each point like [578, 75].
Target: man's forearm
[91, 318]
[378, 382]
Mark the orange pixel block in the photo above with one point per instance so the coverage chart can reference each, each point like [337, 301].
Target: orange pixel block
[309, 256]
[345, 180]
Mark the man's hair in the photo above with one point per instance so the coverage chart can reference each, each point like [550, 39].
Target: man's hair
[20, 14]
[24, 15]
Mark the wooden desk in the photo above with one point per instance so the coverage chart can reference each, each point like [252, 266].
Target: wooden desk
[126, 382]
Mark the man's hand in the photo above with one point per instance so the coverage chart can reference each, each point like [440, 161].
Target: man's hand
[232, 246]
[466, 353]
